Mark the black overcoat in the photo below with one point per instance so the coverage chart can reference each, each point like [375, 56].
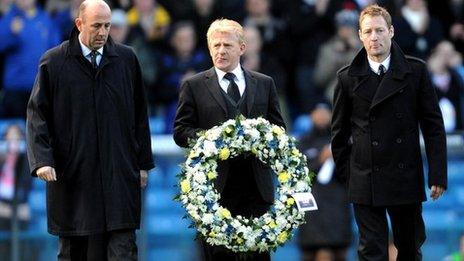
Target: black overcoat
[92, 127]
[375, 131]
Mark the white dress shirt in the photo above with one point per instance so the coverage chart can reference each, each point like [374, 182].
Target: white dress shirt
[86, 52]
[375, 65]
[239, 79]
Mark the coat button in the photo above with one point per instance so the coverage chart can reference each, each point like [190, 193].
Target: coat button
[375, 143]
[376, 168]
[402, 90]
[399, 115]
[372, 118]
[401, 165]
[399, 140]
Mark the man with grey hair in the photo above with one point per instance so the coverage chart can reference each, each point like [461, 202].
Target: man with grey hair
[88, 138]
[212, 97]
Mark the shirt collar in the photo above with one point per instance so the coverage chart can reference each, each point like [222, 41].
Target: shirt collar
[237, 71]
[86, 50]
[375, 65]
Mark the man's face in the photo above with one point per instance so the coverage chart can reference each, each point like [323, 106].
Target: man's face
[225, 50]
[94, 26]
[376, 37]
[184, 40]
[25, 4]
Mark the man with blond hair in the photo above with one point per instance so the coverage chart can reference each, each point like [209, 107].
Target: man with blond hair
[88, 138]
[380, 101]
[212, 97]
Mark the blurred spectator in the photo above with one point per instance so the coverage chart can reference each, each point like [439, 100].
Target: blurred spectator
[151, 18]
[5, 6]
[326, 235]
[256, 60]
[148, 22]
[456, 30]
[338, 51]
[14, 189]
[450, 13]
[448, 84]
[26, 32]
[119, 27]
[272, 29]
[204, 14]
[184, 61]
[310, 24]
[416, 31]
[64, 16]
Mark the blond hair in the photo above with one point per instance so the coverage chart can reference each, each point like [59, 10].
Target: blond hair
[225, 26]
[375, 10]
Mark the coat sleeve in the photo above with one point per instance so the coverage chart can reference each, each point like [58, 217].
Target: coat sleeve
[341, 131]
[433, 131]
[142, 129]
[273, 114]
[38, 125]
[186, 121]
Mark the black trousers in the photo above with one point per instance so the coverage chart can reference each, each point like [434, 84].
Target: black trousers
[115, 245]
[407, 227]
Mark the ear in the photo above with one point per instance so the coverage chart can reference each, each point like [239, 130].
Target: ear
[391, 31]
[242, 48]
[360, 34]
[78, 23]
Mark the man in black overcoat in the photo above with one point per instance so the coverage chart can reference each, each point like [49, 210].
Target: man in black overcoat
[212, 97]
[380, 101]
[88, 138]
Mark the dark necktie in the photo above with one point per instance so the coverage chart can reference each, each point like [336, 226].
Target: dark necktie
[93, 59]
[232, 89]
[381, 71]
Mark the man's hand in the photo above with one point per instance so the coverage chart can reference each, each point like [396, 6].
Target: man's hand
[46, 173]
[436, 191]
[143, 178]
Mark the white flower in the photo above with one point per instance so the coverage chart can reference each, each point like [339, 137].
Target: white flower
[208, 219]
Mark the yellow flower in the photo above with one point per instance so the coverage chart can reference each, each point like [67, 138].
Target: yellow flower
[290, 201]
[295, 152]
[212, 234]
[211, 175]
[229, 129]
[272, 224]
[224, 154]
[185, 186]
[282, 237]
[254, 150]
[240, 240]
[193, 154]
[224, 213]
[283, 177]
[277, 130]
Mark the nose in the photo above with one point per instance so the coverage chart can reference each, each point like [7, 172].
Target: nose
[102, 30]
[373, 36]
[221, 49]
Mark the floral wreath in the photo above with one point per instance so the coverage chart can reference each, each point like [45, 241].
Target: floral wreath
[270, 144]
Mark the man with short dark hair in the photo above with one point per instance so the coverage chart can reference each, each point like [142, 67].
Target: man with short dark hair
[380, 101]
